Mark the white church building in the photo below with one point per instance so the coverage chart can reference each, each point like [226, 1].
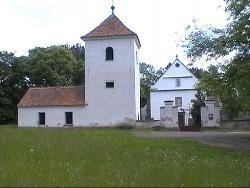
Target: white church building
[177, 84]
[111, 94]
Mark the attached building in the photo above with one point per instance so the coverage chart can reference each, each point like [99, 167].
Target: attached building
[176, 84]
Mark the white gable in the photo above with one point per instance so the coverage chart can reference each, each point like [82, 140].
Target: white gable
[177, 72]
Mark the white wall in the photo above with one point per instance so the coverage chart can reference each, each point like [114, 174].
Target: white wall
[54, 116]
[168, 80]
[105, 104]
[137, 80]
[157, 100]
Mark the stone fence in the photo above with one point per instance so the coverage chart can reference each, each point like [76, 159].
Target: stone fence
[236, 124]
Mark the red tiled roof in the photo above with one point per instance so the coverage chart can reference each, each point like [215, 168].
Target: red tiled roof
[112, 26]
[53, 96]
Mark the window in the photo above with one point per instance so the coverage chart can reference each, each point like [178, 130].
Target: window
[178, 82]
[210, 116]
[110, 85]
[109, 54]
[178, 101]
[69, 118]
[177, 65]
[41, 118]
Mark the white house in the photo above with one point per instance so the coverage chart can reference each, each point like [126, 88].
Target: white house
[176, 84]
[111, 94]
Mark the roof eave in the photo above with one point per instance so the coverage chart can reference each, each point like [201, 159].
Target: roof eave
[44, 106]
[86, 38]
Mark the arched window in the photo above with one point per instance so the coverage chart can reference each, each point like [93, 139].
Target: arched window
[109, 54]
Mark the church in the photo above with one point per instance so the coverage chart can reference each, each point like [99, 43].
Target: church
[177, 84]
[111, 93]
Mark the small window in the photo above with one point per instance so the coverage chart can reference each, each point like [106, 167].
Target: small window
[177, 65]
[69, 118]
[109, 54]
[210, 116]
[178, 82]
[110, 85]
[178, 101]
[41, 118]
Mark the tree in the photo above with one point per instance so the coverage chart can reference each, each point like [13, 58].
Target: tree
[13, 84]
[149, 76]
[214, 83]
[197, 72]
[54, 66]
[78, 50]
[196, 107]
[231, 83]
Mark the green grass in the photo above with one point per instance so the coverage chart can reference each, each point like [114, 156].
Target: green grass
[79, 157]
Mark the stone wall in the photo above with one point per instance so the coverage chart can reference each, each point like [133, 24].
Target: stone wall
[236, 124]
[169, 115]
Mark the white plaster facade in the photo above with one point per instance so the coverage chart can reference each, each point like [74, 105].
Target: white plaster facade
[167, 88]
[112, 105]
[210, 114]
[103, 106]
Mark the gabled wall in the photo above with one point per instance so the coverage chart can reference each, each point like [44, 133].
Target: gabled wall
[166, 89]
[168, 79]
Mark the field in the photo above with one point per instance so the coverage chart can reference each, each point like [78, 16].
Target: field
[110, 157]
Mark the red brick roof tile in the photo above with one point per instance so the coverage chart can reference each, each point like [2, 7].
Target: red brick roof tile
[53, 96]
[112, 26]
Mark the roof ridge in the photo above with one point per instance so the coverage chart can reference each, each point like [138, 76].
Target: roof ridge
[52, 87]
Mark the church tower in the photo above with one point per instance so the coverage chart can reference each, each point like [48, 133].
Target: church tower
[112, 80]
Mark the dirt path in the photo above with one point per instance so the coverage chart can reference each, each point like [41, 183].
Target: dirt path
[232, 140]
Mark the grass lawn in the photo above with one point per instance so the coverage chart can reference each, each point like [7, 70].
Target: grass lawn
[78, 157]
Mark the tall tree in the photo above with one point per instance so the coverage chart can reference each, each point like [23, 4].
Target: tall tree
[13, 84]
[54, 66]
[233, 41]
[148, 77]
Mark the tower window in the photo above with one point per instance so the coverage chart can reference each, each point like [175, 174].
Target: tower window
[109, 54]
[110, 85]
[178, 82]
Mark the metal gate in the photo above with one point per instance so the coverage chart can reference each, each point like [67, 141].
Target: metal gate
[181, 118]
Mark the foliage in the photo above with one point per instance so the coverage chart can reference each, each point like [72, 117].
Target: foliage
[197, 72]
[215, 83]
[196, 107]
[230, 84]
[149, 76]
[112, 158]
[54, 66]
[78, 50]
[13, 84]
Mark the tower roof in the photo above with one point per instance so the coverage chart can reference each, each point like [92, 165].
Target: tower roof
[110, 27]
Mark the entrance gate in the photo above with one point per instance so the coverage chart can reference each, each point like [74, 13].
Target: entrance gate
[181, 118]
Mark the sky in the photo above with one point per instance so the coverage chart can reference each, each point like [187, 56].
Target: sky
[160, 24]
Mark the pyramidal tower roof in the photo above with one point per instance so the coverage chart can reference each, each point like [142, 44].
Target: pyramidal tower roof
[110, 27]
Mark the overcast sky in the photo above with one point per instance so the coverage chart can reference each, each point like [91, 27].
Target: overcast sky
[160, 24]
